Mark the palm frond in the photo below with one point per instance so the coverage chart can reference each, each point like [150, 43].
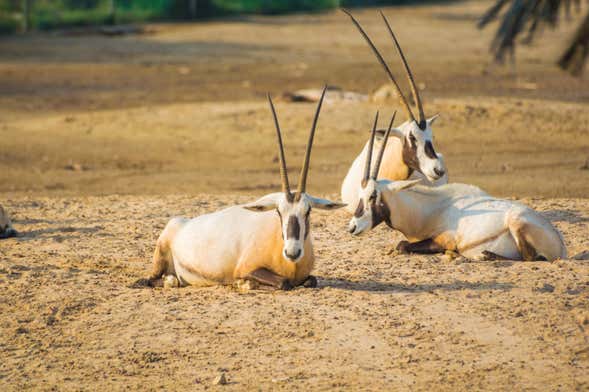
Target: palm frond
[519, 17]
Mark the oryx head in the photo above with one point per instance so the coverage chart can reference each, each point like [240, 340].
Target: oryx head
[416, 134]
[372, 208]
[293, 208]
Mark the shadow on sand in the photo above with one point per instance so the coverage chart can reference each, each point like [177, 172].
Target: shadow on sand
[374, 286]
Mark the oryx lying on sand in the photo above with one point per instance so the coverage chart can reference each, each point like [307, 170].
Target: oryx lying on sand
[456, 217]
[266, 241]
[411, 154]
[6, 229]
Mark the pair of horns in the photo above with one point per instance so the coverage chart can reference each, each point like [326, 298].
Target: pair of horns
[307, 159]
[376, 167]
[422, 121]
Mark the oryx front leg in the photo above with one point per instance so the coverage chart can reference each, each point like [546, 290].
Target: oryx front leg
[268, 278]
[427, 247]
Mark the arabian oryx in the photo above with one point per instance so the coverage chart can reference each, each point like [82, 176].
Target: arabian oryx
[456, 217]
[266, 241]
[411, 155]
[6, 229]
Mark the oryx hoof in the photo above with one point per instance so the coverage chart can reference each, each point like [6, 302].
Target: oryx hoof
[170, 281]
[403, 247]
[286, 285]
[310, 283]
[246, 284]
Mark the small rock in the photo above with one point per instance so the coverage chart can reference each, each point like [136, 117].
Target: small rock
[583, 319]
[220, 380]
[75, 167]
[506, 167]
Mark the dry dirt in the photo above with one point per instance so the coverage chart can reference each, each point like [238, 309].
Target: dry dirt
[102, 140]
[71, 319]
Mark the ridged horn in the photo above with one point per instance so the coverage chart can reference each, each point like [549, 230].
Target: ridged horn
[422, 121]
[382, 148]
[283, 171]
[380, 59]
[305, 169]
[369, 152]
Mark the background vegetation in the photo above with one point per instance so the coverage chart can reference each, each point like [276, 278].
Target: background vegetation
[51, 14]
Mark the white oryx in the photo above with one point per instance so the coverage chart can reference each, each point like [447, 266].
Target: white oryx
[266, 241]
[411, 155]
[456, 217]
[6, 229]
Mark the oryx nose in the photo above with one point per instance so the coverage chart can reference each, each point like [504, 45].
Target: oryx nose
[352, 229]
[439, 172]
[293, 256]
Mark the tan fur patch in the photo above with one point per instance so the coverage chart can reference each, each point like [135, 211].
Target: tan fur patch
[270, 257]
[392, 166]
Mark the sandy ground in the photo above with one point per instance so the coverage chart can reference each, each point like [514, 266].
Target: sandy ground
[71, 319]
[100, 137]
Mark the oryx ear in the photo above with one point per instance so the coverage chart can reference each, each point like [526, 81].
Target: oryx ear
[394, 133]
[324, 204]
[433, 119]
[266, 203]
[396, 186]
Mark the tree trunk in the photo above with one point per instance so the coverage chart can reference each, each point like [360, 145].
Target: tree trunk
[192, 7]
[112, 11]
[26, 10]
[574, 58]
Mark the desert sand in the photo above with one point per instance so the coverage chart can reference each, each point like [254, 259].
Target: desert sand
[102, 140]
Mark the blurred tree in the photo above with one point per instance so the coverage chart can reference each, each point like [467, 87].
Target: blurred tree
[528, 16]
[26, 15]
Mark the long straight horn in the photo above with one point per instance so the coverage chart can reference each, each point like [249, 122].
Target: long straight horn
[283, 171]
[382, 148]
[305, 168]
[422, 123]
[384, 65]
[369, 153]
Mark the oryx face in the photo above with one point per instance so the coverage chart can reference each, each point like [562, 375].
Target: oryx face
[416, 134]
[373, 207]
[418, 150]
[370, 210]
[293, 208]
[294, 218]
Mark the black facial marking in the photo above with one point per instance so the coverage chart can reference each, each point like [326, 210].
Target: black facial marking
[280, 216]
[380, 213]
[293, 229]
[429, 150]
[307, 227]
[360, 210]
[410, 153]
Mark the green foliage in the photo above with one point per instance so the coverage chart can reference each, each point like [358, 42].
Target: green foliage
[9, 23]
[273, 7]
[51, 14]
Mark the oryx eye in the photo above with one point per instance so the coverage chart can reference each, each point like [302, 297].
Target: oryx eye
[372, 197]
[412, 139]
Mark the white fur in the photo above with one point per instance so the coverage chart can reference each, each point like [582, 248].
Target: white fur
[212, 248]
[462, 218]
[353, 179]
